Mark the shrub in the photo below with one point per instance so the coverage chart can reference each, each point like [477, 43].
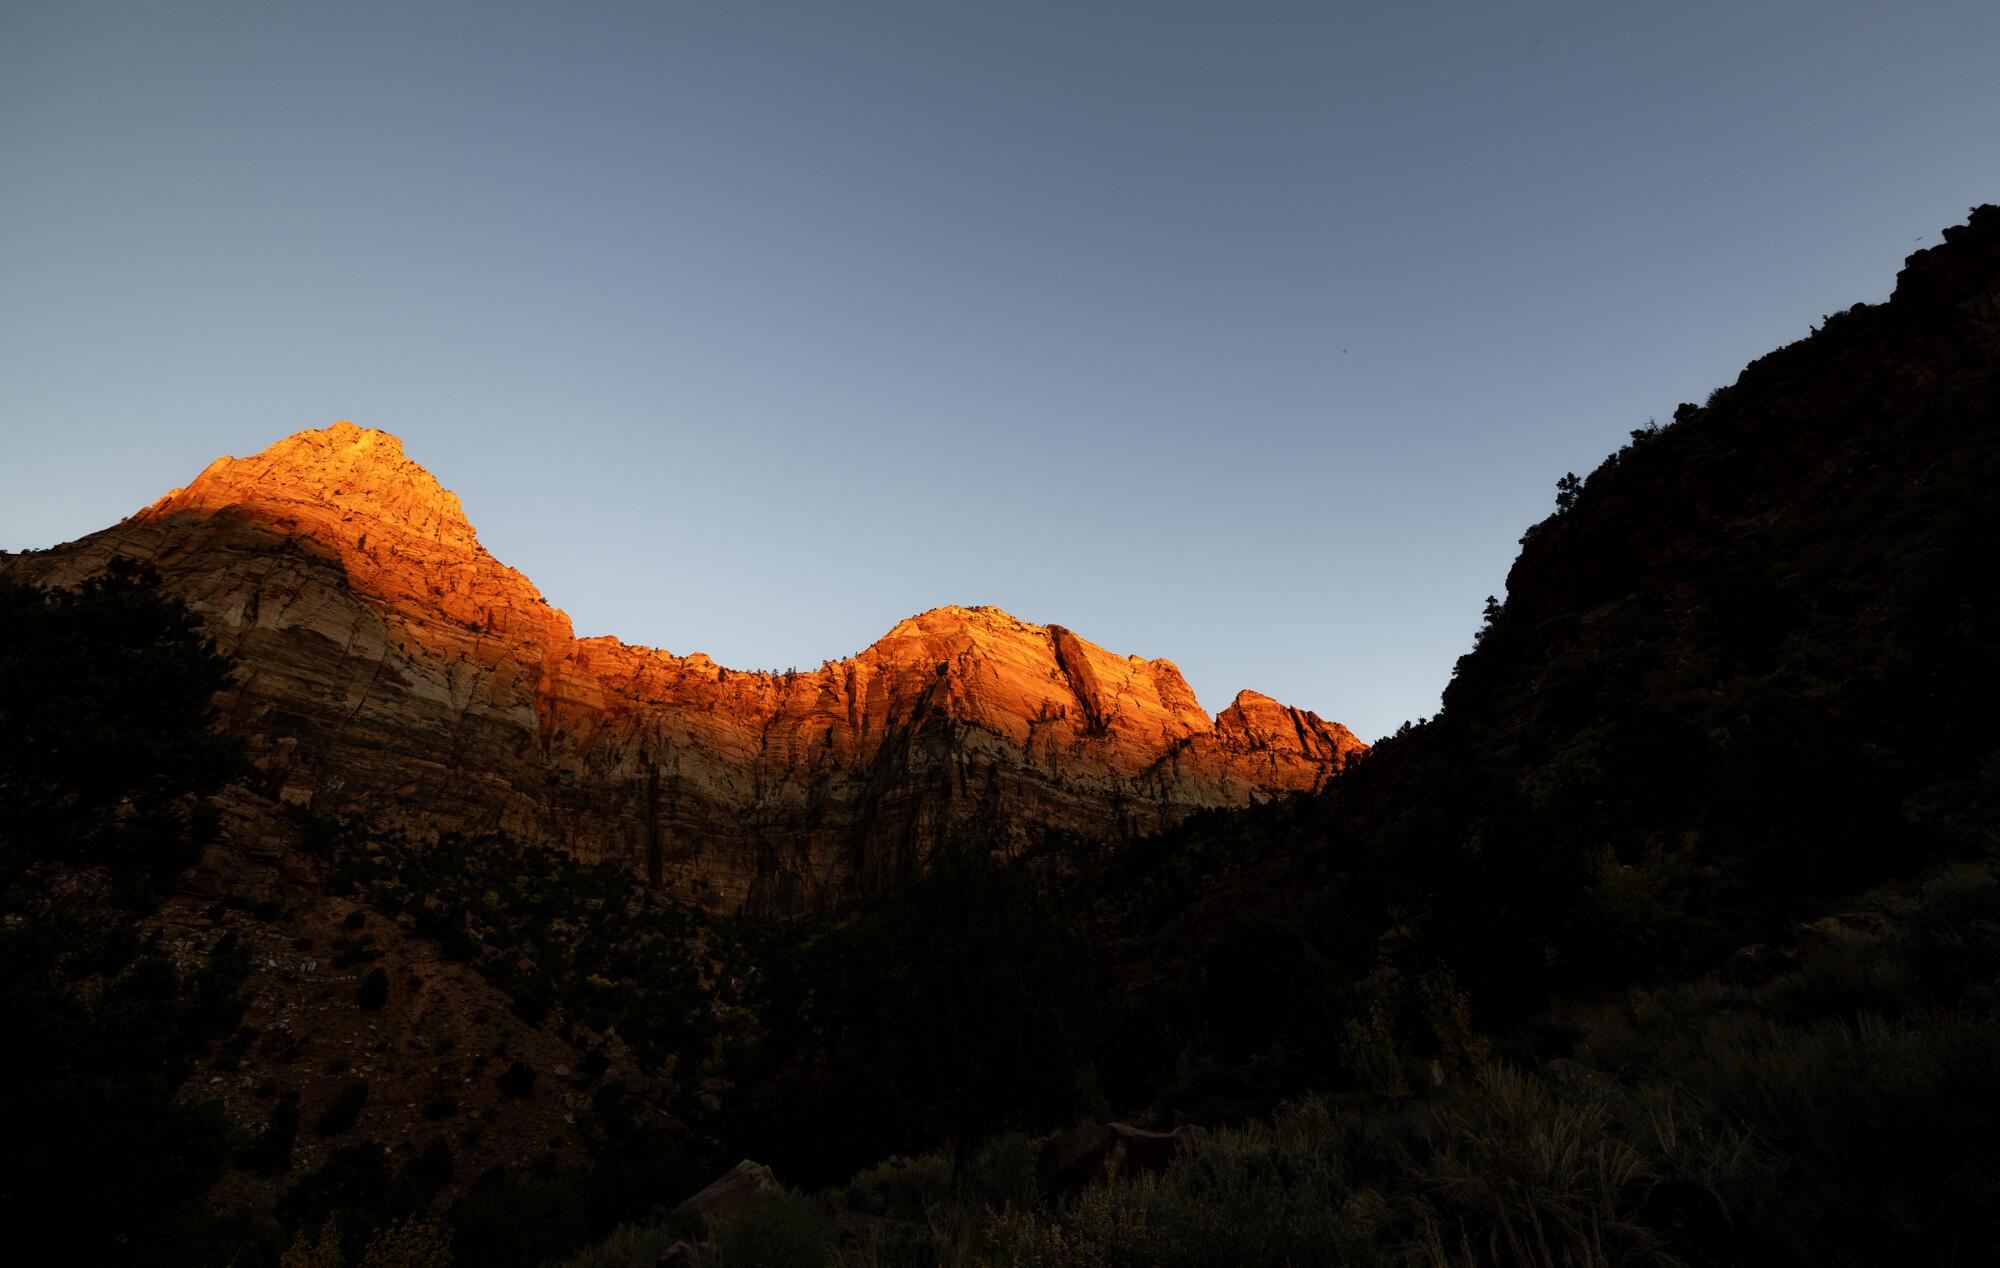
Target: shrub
[321, 1252]
[1003, 1172]
[431, 1169]
[902, 1188]
[1269, 1193]
[775, 1230]
[519, 1080]
[344, 1111]
[1529, 1179]
[270, 1153]
[1567, 490]
[510, 1223]
[1372, 1056]
[408, 1243]
[629, 1246]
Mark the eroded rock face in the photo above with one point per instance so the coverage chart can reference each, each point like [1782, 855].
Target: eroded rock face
[389, 665]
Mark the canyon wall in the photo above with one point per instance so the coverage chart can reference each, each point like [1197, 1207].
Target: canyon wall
[388, 665]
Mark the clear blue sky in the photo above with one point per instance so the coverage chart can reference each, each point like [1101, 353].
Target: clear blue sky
[1250, 335]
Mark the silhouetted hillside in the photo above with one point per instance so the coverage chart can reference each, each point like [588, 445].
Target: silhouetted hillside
[1710, 809]
[1755, 662]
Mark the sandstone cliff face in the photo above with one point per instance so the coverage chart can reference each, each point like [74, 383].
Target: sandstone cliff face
[389, 665]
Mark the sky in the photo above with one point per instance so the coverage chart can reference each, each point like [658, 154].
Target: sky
[1247, 335]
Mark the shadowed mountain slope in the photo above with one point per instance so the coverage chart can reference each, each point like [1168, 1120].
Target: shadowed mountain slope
[1749, 665]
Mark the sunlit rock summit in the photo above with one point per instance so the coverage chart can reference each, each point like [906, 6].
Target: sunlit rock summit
[388, 665]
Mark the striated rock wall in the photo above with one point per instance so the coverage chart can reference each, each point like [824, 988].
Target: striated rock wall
[388, 664]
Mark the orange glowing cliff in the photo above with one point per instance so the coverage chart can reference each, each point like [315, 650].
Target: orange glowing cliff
[387, 664]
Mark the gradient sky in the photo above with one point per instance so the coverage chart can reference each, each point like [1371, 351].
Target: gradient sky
[1249, 335]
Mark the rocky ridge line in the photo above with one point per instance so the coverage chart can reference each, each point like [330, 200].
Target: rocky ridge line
[389, 665]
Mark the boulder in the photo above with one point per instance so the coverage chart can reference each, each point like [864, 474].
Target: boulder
[1082, 1156]
[1850, 931]
[725, 1199]
[1759, 963]
[1575, 1081]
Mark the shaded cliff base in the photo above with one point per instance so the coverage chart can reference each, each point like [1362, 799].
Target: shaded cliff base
[1819, 1099]
[1829, 1101]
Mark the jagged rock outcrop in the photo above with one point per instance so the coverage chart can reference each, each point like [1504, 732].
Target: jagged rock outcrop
[389, 665]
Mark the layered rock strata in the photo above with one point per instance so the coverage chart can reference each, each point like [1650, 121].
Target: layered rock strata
[388, 665]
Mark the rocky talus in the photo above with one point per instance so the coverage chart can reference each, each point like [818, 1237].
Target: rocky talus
[388, 665]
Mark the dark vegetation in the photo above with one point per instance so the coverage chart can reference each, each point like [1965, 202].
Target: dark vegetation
[545, 928]
[1673, 938]
[105, 755]
[961, 1005]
